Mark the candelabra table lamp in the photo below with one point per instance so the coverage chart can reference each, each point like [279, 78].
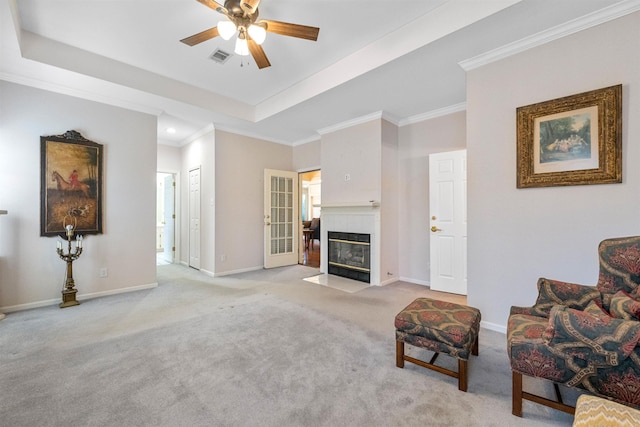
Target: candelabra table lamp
[69, 291]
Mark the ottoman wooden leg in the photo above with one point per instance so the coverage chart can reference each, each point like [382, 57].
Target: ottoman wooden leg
[400, 354]
[474, 349]
[516, 394]
[462, 375]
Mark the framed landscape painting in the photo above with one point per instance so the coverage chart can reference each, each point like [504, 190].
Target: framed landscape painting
[71, 185]
[574, 140]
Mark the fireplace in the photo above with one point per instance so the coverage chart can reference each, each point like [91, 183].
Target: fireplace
[349, 255]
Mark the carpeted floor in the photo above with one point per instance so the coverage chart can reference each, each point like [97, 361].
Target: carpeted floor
[264, 348]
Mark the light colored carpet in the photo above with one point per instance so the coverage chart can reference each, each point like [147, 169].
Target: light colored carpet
[263, 348]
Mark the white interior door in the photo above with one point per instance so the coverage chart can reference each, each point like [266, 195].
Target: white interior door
[280, 218]
[169, 245]
[448, 221]
[194, 218]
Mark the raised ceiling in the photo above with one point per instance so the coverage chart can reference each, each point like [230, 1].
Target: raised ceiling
[399, 58]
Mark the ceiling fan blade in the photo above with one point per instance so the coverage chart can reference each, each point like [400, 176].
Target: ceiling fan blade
[292, 30]
[201, 37]
[214, 5]
[258, 54]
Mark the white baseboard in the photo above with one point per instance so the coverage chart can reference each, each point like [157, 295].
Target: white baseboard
[207, 272]
[415, 281]
[79, 297]
[83, 297]
[493, 327]
[389, 281]
[242, 270]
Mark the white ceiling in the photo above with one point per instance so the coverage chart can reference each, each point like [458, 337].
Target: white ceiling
[395, 57]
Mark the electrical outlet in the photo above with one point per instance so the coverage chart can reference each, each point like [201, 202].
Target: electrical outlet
[104, 272]
[347, 177]
[223, 258]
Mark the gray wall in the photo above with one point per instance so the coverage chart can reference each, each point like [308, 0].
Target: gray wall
[416, 142]
[31, 273]
[518, 235]
[239, 187]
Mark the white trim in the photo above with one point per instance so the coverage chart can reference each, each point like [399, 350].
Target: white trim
[80, 297]
[236, 131]
[591, 20]
[83, 297]
[349, 123]
[309, 169]
[314, 138]
[445, 111]
[207, 272]
[493, 327]
[369, 204]
[388, 281]
[205, 130]
[415, 281]
[242, 270]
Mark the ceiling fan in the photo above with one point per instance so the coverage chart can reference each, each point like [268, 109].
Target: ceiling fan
[243, 19]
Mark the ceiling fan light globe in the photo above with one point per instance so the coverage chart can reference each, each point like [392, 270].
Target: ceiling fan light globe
[257, 33]
[226, 29]
[242, 48]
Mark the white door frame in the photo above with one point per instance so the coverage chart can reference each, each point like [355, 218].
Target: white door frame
[194, 219]
[169, 219]
[177, 210]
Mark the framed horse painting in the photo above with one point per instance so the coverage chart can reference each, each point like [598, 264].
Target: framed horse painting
[71, 185]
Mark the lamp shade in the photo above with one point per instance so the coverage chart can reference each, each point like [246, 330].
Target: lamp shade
[242, 48]
[257, 33]
[226, 29]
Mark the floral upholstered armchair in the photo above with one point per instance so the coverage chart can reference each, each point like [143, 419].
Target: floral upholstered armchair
[580, 336]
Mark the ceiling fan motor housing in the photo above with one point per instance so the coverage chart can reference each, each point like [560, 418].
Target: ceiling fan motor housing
[239, 8]
[238, 16]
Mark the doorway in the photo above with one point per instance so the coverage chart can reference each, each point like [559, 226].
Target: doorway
[310, 201]
[165, 218]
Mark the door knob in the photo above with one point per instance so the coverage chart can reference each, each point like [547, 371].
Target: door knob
[434, 229]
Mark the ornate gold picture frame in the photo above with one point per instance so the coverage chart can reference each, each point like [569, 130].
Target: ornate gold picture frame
[575, 140]
[71, 185]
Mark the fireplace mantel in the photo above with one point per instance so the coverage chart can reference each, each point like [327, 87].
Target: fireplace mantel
[368, 204]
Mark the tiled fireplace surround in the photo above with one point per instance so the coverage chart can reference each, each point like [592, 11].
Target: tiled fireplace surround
[354, 218]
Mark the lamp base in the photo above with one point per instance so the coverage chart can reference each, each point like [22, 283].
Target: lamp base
[69, 298]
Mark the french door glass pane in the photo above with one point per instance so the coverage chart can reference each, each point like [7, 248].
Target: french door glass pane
[281, 215]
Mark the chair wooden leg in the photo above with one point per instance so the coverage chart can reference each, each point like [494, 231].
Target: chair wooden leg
[400, 354]
[462, 375]
[516, 394]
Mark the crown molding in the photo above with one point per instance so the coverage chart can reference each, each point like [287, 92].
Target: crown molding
[314, 138]
[350, 123]
[251, 135]
[588, 21]
[359, 120]
[205, 130]
[433, 114]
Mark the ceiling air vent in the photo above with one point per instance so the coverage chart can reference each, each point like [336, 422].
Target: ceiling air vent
[220, 56]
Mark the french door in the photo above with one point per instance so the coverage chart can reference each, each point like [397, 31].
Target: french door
[280, 218]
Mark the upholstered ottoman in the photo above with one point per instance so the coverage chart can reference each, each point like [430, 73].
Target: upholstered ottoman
[441, 327]
[592, 411]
